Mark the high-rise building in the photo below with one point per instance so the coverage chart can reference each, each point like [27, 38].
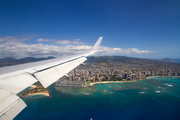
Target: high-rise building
[125, 75]
[116, 72]
[93, 79]
[156, 73]
[140, 77]
[80, 75]
[70, 78]
[83, 78]
[87, 73]
[109, 72]
[97, 76]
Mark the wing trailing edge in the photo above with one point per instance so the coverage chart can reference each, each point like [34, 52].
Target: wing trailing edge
[10, 105]
[49, 76]
[14, 79]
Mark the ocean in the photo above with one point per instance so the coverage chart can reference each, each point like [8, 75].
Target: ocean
[156, 98]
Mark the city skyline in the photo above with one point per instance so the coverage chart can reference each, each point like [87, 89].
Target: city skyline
[143, 29]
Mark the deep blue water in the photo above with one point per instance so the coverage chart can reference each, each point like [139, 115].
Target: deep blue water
[175, 61]
[157, 98]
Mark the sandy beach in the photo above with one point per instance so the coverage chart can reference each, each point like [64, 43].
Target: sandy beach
[91, 84]
[161, 76]
[40, 93]
[33, 86]
[35, 90]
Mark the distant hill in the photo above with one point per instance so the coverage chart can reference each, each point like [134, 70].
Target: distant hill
[105, 59]
[171, 60]
[167, 59]
[13, 61]
[101, 60]
[98, 59]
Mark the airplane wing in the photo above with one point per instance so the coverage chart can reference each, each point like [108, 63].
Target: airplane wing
[14, 79]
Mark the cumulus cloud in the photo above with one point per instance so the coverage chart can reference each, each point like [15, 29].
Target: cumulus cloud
[77, 41]
[12, 38]
[109, 50]
[63, 42]
[54, 41]
[18, 49]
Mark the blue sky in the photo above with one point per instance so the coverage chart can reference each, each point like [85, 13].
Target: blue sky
[134, 28]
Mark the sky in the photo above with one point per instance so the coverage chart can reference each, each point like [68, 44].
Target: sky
[134, 28]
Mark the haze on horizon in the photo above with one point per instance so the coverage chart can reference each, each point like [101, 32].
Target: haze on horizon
[143, 29]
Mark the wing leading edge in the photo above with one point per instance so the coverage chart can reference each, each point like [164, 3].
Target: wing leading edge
[14, 79]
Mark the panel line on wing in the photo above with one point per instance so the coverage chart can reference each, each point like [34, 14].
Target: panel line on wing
[56, 65]
[49, 76]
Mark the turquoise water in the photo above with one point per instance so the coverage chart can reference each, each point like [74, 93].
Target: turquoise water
[154, 98]
[35, 96]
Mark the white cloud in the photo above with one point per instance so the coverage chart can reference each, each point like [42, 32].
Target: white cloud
[109, 50]
[77, 41]
[63, 42]
[12, 38]
[54, 41]
[19, 50]
[13, 47]
[43, 40]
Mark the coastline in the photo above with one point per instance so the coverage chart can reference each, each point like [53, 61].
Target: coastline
[45, 93]
[93, 83]
[35, 90]
[33, 86]
[161, 76]
[40, 93]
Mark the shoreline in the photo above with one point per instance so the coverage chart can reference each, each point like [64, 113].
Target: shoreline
[93, 83]
[161, 76]
[33, 86]
[44, 93]
[41, 93]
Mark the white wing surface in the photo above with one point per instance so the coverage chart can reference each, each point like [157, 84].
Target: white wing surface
[14, 79]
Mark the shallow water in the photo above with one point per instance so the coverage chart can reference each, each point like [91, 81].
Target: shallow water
[153, 98]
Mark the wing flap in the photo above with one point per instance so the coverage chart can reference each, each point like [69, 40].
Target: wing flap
[49, 76]
[17, 83]
[11, 105]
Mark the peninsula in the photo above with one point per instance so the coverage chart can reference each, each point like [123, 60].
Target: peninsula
[35, 89]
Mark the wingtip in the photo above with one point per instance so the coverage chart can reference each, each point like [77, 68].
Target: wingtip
[96, 45]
